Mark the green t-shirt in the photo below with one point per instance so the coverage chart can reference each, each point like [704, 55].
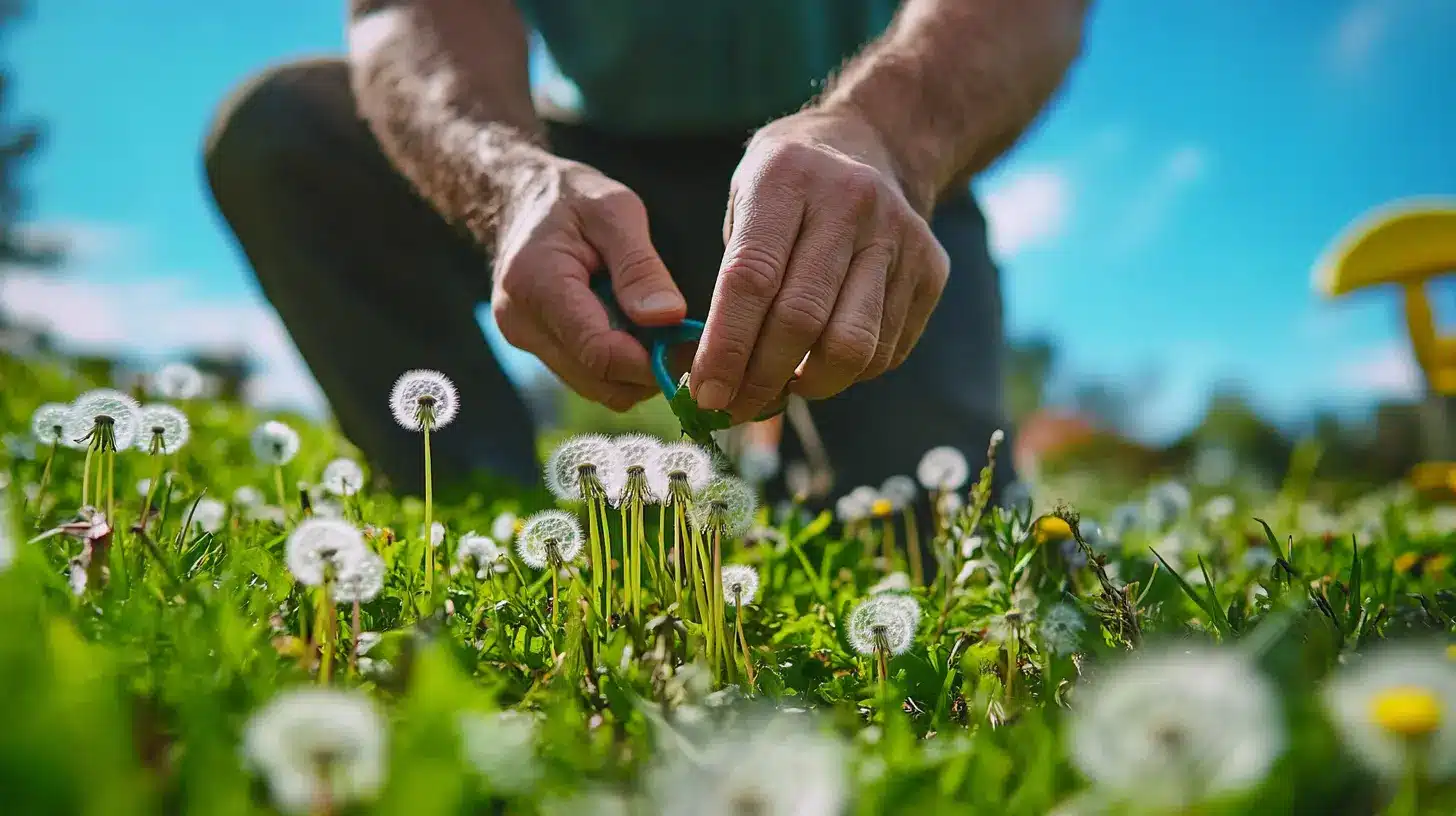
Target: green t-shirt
[686, 66]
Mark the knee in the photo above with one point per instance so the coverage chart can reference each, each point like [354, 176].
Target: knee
[269, 121]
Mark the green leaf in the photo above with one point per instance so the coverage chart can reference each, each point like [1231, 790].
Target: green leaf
[1214, 615]
[697, 423]
[1356, 603]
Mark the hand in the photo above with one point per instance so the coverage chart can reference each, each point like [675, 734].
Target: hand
[825, 257]
[571, 222]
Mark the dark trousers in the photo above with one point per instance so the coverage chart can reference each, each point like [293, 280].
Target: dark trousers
[370, 281]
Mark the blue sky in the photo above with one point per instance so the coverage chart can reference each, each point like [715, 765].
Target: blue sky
[1163, 217]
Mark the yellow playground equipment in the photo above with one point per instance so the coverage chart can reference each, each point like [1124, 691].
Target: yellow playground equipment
[1406, 244]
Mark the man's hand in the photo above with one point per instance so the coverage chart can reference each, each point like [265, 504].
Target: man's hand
[569, 222]
[825, 257]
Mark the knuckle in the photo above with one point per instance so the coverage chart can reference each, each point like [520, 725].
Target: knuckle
[801, 316]
[849, 347]
[860, 185]
[595, 353]
[752, 274]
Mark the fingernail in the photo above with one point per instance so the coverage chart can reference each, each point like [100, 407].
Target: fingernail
[659, 302]
[713, 395]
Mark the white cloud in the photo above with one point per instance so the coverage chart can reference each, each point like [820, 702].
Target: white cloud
[1359, 31]
[1027, 210]
[159, 317]
[1390, 371]
[1179, 170]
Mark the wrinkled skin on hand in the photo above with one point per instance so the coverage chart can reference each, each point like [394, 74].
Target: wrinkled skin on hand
[825, 258]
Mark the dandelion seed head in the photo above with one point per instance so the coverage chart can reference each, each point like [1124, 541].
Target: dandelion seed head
[1061, 629]
[740, 584]
[689, 464]
[503, 527]
[588, 462]
[544, 531]
[247, 496]
[727, 505]
[314, 743]
[360, 579]
[482, 550]
[943, 468]
[423, 393]
[49, 425]
[759, 463]
[317, 546]
[887, 621]
[849, 509]
[894, 582]
[208, 514]
[767, 765]
[177, 381]
[1395, 700]
[163, 429]
[437, 533]
[274, 443]
[900, 491]
[1167, 503]
[638, 452]
[105, 405]
[343, 477]
[501, 747]
[1166, 726]
[1018, 499]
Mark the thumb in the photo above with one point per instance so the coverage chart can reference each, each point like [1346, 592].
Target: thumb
[640, 280]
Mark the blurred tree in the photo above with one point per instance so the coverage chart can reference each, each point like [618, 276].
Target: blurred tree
[17, 143]
[1029, 364]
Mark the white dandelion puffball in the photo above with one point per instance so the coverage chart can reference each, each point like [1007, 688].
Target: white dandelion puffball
[1017, 499]
[900, 491]
[423, 393]
[49, 425]
[759, 463]
[342, 477]
[437, 533]
[727, 505]
[589, 462]
[771, 765]
[849, 509]
[482, 550]
[319, 545]
[177, 381]
[208, 514]
[740, 584]
[943, 468]
[1061, 629]
[503, 528]
[638, 452]
[885, 621]
[1395, 700]
[360, 579]
[547, 535]
[501, 747]
[105, 405]
[1167, 502]
[1219, 508]
[1165, 727]
[1125, 519]
[894, 582]
[274, 443]
[162, 429]
[316, 744]
[684, 463]
[247, 496]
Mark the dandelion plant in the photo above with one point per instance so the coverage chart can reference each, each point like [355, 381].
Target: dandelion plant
[425, 401]
[107, 420]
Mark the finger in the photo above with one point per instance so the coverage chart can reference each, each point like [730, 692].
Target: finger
[899, 293]
[849, 342]
[766, 221]
[541, 342]
[576, 318]
[929, 284]
[796, 320]
[644, 288]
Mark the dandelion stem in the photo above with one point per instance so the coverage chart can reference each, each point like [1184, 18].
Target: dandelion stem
[325, 621]
[608, 578]
[742, 641]
[111, 483]
[661, 548]
[597, 559]
[86, 477]
[912, 542]
[354, 640]
[716, 586]
[45, 477]
[429, 513]
[151, 491]
[554, 569]
[888, 542]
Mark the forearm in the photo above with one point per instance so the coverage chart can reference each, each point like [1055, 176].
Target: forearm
[444, 85]
[953, 83]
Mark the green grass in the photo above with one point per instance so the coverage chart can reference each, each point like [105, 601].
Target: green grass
[133, 697]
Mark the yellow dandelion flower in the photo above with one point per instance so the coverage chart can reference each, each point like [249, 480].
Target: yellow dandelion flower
[1410, 711]
[1405, 562]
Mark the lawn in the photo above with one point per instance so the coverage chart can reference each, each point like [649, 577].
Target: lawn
[256, 630]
